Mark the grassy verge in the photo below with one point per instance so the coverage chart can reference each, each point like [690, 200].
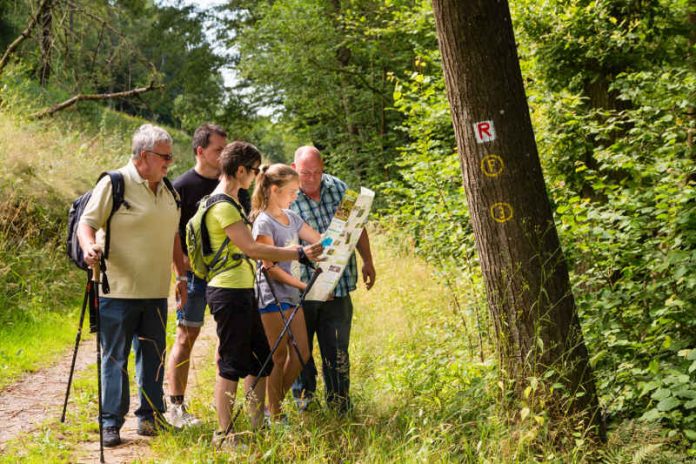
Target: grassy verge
[420, 396]
[44, 166]
[29, 345]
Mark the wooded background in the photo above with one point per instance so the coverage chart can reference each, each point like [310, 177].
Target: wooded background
[610, 87]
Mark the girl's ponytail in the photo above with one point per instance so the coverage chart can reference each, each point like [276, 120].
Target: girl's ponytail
[259, 199]
[276, 174]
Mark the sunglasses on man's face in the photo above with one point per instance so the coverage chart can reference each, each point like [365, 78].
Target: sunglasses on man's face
[164, 156]
[257, 171]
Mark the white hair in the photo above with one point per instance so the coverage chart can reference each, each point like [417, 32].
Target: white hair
[147, 136]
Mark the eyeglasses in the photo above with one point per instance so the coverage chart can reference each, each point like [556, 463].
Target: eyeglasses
[256, 170]
[164, 156]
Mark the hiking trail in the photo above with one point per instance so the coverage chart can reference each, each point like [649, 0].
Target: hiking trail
[37, 399]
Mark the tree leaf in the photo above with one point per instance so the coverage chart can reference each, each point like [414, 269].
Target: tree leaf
[661, 394]
[668, 404]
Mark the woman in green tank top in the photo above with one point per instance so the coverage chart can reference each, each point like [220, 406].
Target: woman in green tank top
[243, 346]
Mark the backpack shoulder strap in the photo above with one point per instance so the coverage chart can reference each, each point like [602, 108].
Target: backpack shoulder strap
[117, 189]
[173, 191]
[205, 236]
[118, 200]
[226, 198]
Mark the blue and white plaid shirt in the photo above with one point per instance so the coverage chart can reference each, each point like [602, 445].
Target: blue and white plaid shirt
[319, 215]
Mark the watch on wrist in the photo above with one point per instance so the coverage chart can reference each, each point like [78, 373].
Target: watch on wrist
[181, 278]
[302, 257]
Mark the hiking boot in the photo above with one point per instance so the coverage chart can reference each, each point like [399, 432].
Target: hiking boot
[178, 417]
[148, 428]
[111, 437]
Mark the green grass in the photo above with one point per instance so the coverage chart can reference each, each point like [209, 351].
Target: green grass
[44, 166]
[420, 396]
[57, 442]
[28, 345]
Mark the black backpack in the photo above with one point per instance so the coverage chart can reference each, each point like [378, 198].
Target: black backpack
[78, 207]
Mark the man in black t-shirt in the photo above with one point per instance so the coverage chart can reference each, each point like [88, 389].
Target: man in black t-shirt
[194, 184]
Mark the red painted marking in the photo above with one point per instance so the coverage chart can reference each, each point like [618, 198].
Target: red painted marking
[484, 131]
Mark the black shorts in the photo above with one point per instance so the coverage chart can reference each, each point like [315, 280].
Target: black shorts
[243, 345]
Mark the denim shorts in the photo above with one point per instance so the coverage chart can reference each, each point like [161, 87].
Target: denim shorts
[191, 315]
[273, 308]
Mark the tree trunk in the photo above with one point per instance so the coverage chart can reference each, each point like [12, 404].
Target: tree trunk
[45, 42]
[528, 288]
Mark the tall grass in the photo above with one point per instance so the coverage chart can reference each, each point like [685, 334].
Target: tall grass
[44, 166]
[420, 396]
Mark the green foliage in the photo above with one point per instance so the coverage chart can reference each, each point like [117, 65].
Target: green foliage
[99, 46]
[619, 170]
[635, 248]
[582, 45]
[324, 68]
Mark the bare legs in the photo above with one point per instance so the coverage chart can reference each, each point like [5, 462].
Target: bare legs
[180, 359]
[286, 364]
[225, 393]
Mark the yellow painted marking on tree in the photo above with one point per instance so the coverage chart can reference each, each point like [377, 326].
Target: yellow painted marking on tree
[492, 165]
[501, 212]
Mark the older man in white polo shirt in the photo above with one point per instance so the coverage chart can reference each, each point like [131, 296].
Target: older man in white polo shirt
[143, 242]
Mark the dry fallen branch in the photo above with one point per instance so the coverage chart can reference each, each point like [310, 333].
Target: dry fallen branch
[44, 6]
[101, 96]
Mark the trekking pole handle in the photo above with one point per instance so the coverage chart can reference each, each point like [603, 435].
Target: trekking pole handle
[96, 272]
[315, 275]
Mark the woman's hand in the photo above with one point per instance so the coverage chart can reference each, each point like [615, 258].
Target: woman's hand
[311, 252]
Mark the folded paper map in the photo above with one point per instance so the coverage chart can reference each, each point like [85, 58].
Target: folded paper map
[340, 240]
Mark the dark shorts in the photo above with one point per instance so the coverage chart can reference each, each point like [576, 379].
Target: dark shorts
[243, 345]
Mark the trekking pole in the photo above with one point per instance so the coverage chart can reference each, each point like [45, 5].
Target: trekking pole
[97, 279]
[88, 289]
[291, 336]
[317, 271]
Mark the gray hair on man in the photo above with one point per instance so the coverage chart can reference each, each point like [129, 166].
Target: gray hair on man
[147, 136]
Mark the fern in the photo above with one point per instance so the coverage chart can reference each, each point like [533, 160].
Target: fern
[644, 451]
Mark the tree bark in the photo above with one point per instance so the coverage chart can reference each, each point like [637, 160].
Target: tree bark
[528, 289]
[26, 33]
[46, 43]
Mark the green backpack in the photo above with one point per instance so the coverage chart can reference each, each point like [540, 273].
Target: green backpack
[198, 242]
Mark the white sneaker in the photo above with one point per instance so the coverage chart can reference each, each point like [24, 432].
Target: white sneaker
[178, 417]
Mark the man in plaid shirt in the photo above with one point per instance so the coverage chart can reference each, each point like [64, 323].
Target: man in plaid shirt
[317, 202]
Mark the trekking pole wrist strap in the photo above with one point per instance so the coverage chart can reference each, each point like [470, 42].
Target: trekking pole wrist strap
[302, 257]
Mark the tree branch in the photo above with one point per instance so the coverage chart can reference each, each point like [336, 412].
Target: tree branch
[43, 6]
[101, 96]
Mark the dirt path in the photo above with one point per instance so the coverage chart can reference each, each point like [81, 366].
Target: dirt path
[135, 447]
[39, 397]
